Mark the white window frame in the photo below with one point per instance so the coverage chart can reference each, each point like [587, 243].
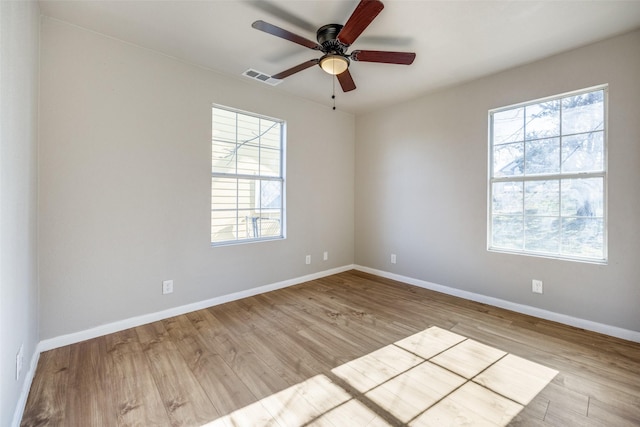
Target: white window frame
[549, 177]
[256, 180]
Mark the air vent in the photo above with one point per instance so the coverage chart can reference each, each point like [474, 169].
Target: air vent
[261, 77]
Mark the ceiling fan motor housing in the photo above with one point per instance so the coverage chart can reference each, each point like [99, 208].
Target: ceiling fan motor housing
[327, 36]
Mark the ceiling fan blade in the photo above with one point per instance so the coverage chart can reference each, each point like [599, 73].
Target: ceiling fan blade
[284, 34]
[365, 13]
[403, 58]
[346, 81]
[270, 7]
[286, 73]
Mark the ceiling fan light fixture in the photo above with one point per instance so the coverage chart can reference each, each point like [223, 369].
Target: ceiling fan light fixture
[334, 40]
[334, 64]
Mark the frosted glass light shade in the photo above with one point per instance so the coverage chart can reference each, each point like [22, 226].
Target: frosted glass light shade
[334, 64]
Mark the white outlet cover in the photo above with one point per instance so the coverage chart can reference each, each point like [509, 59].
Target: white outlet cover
[536, 286]
[167, 287]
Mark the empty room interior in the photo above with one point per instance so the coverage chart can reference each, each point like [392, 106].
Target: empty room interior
[329, 213]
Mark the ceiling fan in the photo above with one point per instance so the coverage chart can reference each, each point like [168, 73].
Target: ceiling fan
[333, 42]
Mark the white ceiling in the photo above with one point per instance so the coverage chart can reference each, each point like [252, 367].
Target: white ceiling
[454, 41]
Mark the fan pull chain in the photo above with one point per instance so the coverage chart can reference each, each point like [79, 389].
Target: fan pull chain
[333, 95]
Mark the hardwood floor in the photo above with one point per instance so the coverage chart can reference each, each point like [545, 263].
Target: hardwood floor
[345, 350]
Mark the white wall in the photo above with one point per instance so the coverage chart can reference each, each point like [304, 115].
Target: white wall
[19, 27]
[125, 184]
[421, 188]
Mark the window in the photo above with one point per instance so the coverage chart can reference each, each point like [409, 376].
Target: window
[247, 177]
[547, 177]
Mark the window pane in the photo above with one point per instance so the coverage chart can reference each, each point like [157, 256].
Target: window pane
[224, 126]
[583, 152]
[223, 193]
[270, 134]
[254, 226]
[582, 197]
[543, 120]
[583, 113]
[507, 231]
[223, 157]
[542, 156]
[508, 160]
[246, 224]
[542, 234]
[248, 159]
[247, 194]
[223, 226]
[270, 195]
[508, 126]
[583, 237]
[507, 197]
[248, 129]
[542, 198]
[270, 226]
[269, 162]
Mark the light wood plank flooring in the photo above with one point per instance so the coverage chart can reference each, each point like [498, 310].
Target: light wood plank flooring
[345, 350]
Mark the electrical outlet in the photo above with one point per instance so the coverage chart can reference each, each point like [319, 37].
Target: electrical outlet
[325, 256]
[536, 286]
[393, 258]
[19, 361]
[307, 259]
[167, 287]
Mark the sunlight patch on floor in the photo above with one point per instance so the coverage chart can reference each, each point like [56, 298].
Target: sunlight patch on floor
[432, 378]
[470, 405]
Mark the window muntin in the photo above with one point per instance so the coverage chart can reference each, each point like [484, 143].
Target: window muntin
[547, 177]
[247, 177]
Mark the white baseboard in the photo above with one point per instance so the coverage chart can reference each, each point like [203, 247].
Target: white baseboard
[589, 325]
[26, 387]
[60, 341]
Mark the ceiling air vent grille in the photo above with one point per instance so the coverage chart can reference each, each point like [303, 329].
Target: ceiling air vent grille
[261, 77]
